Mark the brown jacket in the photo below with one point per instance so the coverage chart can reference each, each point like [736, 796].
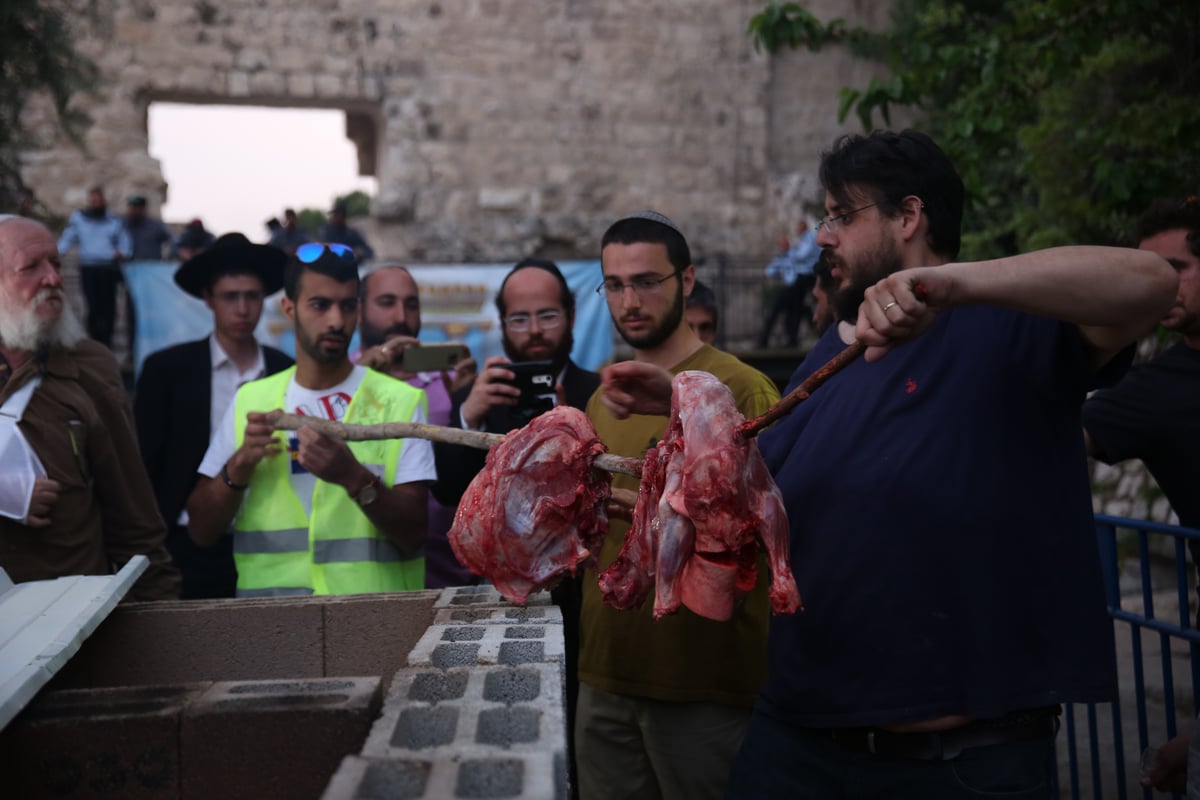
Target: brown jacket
[80, 424]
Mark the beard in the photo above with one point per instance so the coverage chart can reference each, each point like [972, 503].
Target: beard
[1186, 323]
[661, 332]
[372, 336]
[558, 356]
[867, 271]
[22, 329]
[312, 348]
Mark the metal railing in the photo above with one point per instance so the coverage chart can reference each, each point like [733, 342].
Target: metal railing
[1147, 579]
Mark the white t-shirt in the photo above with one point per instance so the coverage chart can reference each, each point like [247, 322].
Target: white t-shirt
[226, 379]
[414, 464]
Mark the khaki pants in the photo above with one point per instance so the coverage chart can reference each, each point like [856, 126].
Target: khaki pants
[634, 748]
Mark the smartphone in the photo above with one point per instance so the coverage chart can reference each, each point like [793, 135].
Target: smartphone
[433, 357]
[535, 379]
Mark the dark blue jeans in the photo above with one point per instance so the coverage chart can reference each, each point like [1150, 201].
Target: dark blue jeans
[778, 761]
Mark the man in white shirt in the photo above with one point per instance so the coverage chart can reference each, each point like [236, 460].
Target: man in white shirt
[184, 391]
[329, 517]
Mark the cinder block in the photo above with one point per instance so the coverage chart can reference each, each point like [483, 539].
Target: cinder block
[97, 743]
[464, 645]
[274, 738]
[519, 776]
[373, 634]
[490, 711]
[374, 779]
[498, 615]
[201, 640]
[485, 595]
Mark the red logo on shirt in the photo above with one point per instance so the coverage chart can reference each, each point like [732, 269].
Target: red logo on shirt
[910, 386]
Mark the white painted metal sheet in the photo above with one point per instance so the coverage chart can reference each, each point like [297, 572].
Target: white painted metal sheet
[43, 624]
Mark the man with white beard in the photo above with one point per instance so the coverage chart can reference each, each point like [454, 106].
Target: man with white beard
[65, 415]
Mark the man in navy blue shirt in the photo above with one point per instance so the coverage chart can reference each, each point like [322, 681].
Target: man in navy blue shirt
[938, 498]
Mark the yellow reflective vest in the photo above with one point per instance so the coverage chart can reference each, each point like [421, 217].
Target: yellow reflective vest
[280, 551]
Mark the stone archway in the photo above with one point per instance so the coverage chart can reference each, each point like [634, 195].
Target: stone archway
[496, 128]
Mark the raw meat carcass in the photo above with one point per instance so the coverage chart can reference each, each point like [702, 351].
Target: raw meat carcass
[537, 509]
[706, 505]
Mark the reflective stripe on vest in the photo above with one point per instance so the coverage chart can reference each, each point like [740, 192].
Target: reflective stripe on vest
[328, 552]
[277, 549]
[279, 591]
[288, 540]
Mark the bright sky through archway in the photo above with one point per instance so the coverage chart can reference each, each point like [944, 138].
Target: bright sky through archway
[235, 167]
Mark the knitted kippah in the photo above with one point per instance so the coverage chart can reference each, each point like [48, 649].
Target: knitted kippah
[653, 216]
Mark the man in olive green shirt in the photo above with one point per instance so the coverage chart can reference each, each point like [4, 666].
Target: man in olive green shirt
[662, 705]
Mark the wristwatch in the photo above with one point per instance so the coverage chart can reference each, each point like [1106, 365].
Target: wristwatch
[367, 494]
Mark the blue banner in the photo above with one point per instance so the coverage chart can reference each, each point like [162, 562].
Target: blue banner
[457, 304]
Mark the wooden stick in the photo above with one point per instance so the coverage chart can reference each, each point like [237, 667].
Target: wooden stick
[795, 397]
[437, 433]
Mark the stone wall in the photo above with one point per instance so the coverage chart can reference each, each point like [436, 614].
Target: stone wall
[496, 128]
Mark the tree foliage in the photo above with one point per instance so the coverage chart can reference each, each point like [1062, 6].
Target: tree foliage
[37, 55]
[1064, 117]
[358, 205]
[310, 219]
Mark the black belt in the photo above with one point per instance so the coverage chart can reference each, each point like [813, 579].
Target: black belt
[1018, 726]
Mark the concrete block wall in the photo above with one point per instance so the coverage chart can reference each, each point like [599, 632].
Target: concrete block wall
[273, 738]
[478, 711]
[251, 639]
[197, 741]
[257, 699]
[97, 743]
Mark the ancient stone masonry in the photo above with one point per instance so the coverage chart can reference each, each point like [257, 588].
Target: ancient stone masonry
[496, 128]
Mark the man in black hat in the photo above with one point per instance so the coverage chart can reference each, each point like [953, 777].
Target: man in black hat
[184, 391]
[336, 230]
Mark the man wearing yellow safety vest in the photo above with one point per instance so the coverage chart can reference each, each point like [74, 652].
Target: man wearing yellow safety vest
[312, 514]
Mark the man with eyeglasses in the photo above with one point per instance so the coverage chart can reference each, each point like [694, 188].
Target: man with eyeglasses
[391, 322]
[938, 498]
[184, 390]
[537, 318]
[662, 705]
[322, 516]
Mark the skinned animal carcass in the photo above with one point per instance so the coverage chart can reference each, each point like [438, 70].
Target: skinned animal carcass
[706, 506]
[536, 511]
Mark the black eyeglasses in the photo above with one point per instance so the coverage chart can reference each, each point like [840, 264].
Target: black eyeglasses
[831, 224]
[642, 285]
[312, 251]
[547, 320]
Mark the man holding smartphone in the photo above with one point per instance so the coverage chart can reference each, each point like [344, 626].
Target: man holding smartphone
[537, 317]
[391, 322]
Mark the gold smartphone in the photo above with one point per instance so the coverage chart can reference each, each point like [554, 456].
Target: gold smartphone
[433, 357]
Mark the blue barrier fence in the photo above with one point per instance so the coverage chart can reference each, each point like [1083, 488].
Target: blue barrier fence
[1157, 657]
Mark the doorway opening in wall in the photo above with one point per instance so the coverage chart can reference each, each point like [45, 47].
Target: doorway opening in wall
[236, 167]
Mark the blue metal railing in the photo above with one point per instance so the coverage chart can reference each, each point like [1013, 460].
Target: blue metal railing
[1114, 778]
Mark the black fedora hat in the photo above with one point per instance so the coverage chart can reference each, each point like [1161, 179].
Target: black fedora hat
[232, 252]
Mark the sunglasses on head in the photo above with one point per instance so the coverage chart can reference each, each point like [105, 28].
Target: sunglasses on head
[308, 253]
